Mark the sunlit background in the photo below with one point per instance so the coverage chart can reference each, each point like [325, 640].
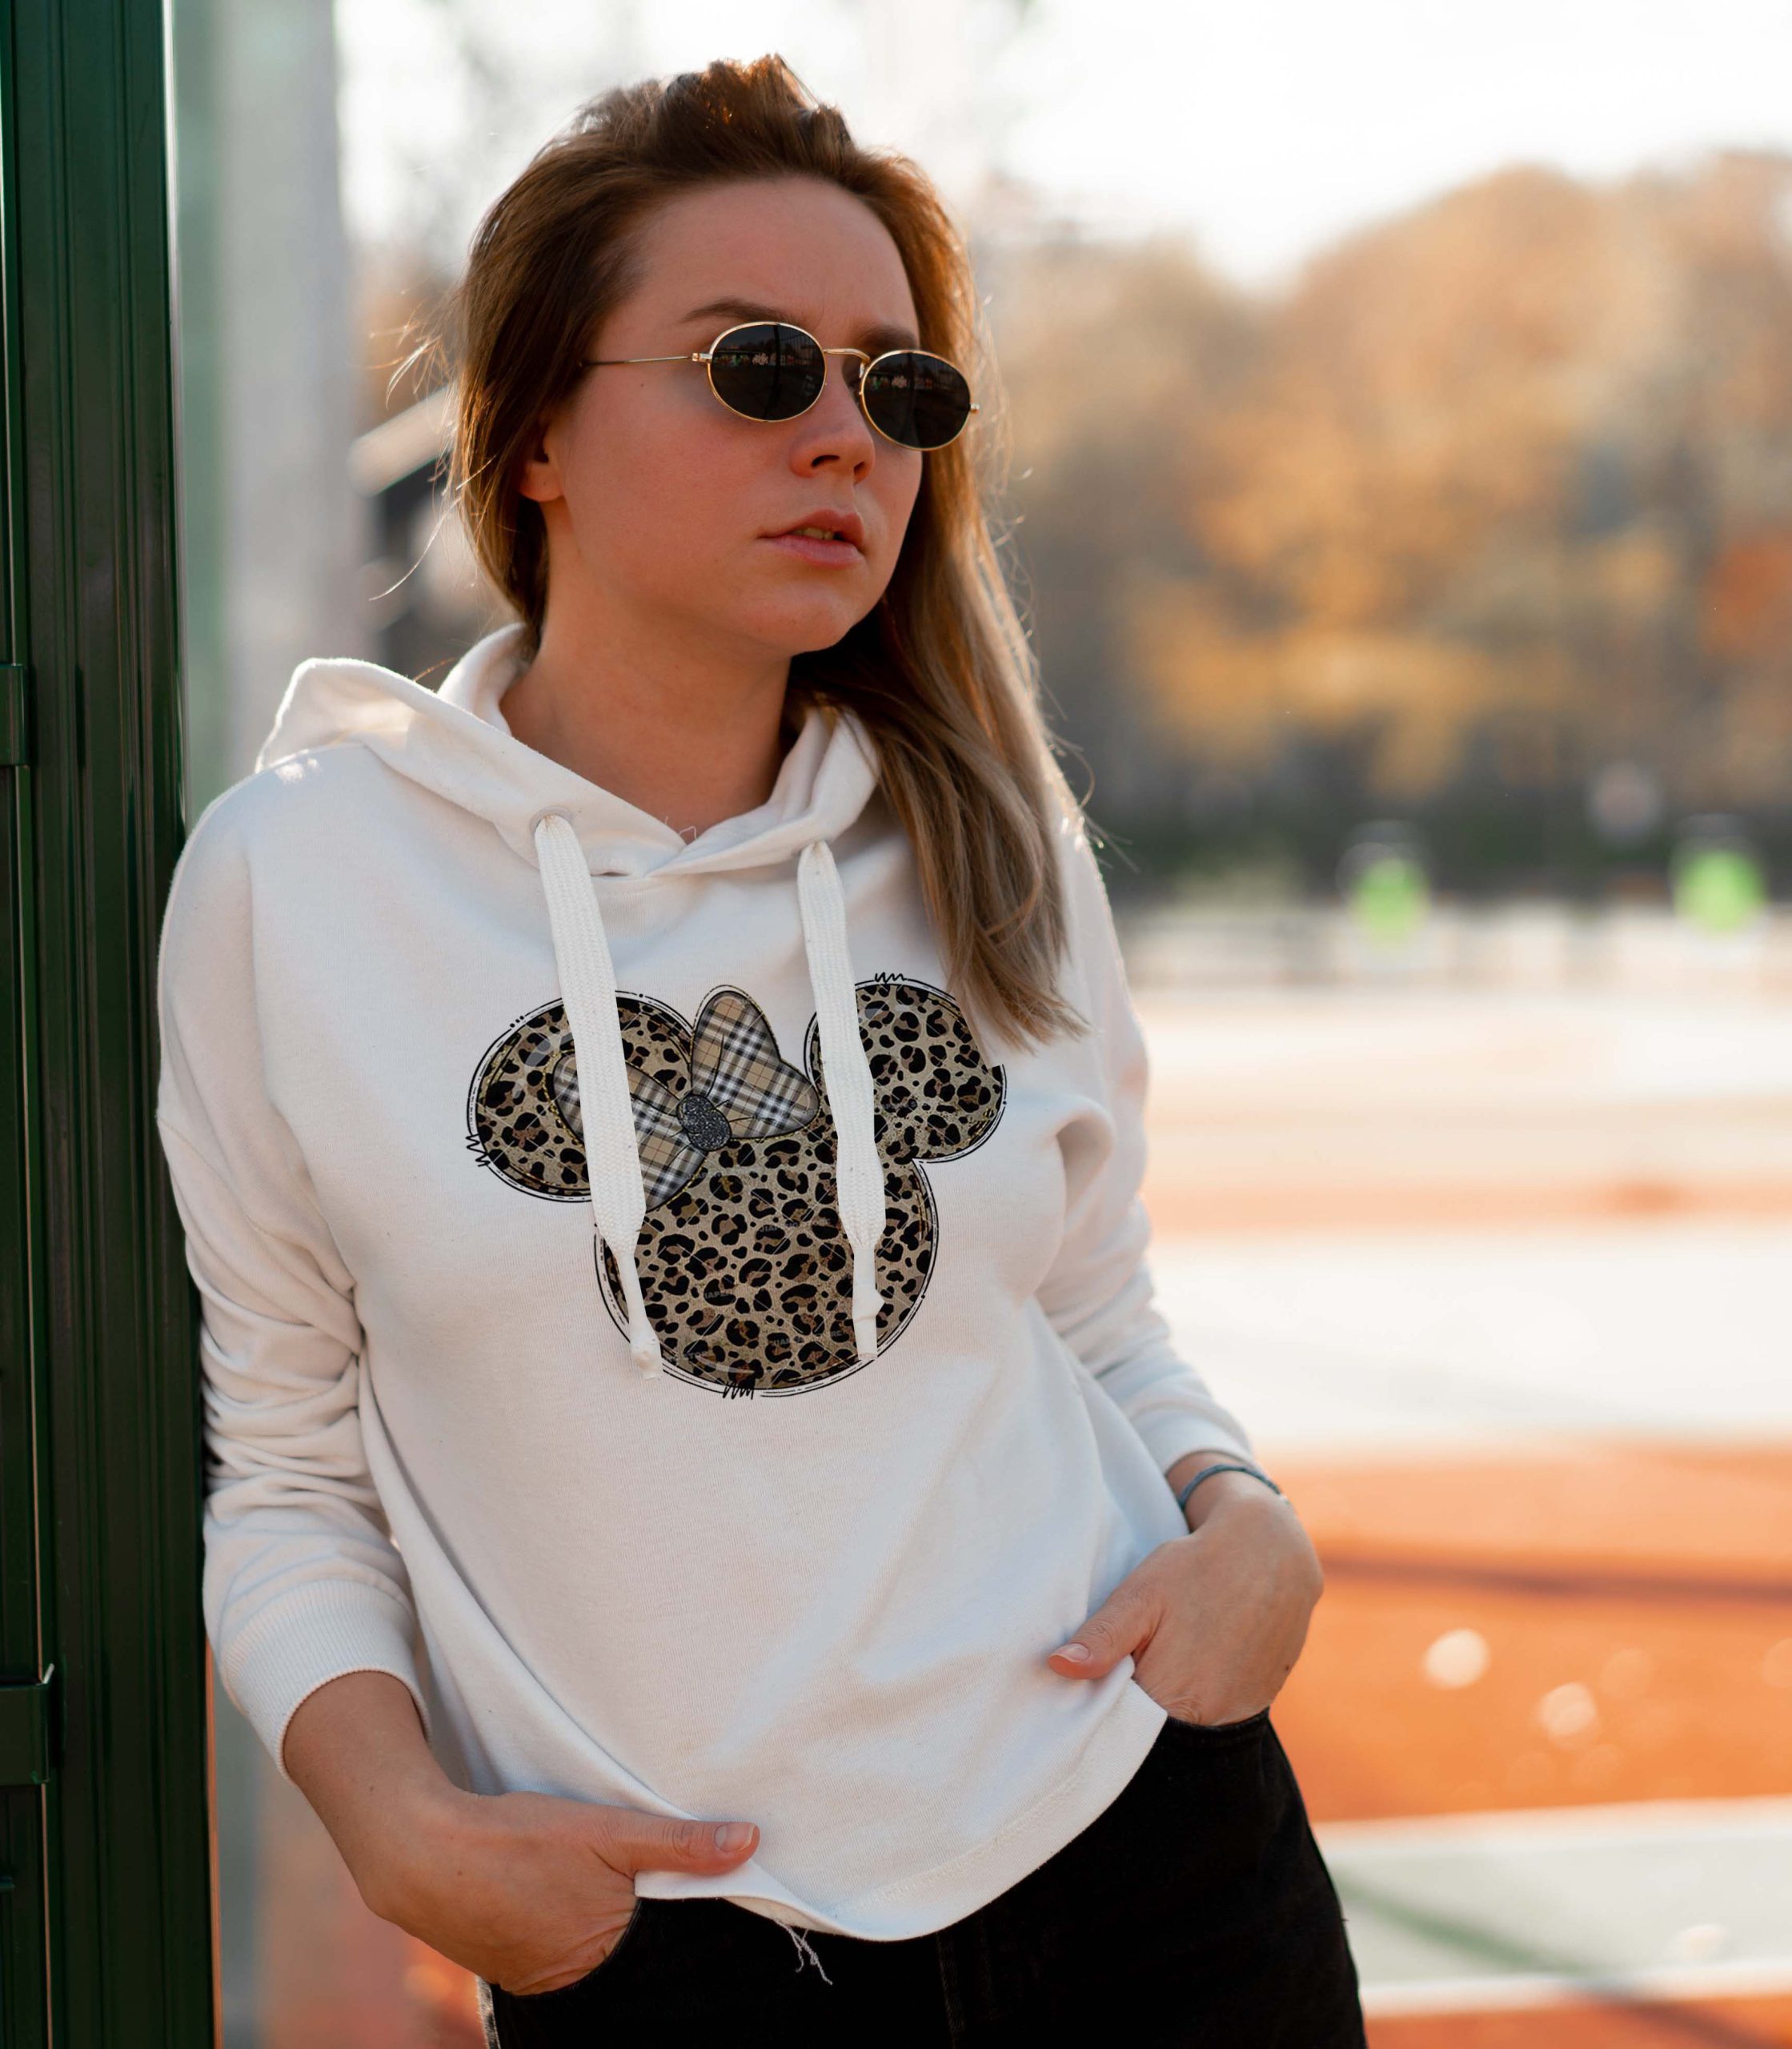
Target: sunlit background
[1401, 506]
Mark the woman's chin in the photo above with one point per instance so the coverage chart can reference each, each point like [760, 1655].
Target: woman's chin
[808, 629]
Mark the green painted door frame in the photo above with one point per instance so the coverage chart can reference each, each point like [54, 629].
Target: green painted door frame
[106, 1899]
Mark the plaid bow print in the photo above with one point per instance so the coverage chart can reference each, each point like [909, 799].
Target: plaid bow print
[739, 1088]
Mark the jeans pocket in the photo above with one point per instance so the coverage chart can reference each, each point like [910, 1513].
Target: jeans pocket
[1219, 1732]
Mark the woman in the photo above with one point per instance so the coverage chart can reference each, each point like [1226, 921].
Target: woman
[698, 1469]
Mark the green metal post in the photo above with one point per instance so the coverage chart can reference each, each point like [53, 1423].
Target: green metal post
[105, 1911]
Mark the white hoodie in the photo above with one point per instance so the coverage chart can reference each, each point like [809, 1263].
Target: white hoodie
[663, 1474]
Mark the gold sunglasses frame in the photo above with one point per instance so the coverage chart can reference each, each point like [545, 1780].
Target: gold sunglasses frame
[706, 358]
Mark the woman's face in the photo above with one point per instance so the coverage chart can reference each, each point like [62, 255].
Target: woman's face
[662, 504]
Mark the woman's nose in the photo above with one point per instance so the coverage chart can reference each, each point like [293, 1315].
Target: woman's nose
[832, 417]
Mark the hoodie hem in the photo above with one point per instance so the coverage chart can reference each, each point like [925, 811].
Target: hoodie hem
[933, 1899]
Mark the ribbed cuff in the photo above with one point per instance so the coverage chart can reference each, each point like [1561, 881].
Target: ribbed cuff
[316, 1634]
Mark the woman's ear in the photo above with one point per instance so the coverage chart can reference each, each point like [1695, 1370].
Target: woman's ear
[538, 473]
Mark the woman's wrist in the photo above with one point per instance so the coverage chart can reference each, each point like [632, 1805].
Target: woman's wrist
[1220, 1490]
[356, 1748]
[1224, 1494]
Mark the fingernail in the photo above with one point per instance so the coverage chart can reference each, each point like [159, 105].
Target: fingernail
[1076, 1652]
[733, 1835]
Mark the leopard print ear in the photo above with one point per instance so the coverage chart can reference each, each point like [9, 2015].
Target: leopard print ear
[522, 1117]
[936, 1095]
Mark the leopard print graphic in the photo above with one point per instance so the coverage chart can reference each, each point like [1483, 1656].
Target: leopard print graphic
[744, 1266]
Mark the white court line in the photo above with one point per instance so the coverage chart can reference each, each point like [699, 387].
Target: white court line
[1741, 1979]
[1671, 1822]
[1583, 1903]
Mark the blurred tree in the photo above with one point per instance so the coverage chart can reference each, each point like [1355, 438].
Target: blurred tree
[1500, 492]
[1117, 367]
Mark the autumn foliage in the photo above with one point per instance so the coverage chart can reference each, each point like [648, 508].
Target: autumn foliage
[1499, 493]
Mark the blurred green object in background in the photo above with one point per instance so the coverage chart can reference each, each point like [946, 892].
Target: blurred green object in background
[1385, 881]
[1390, 897]
[1719, 885]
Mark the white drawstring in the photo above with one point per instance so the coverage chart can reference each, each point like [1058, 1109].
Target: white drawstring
[606, 1116]
[858, 1172]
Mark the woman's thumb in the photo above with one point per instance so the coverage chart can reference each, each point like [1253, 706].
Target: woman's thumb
[1114, 1628]
[637, 1842]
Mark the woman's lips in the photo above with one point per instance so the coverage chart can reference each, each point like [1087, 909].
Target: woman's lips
[825, 555]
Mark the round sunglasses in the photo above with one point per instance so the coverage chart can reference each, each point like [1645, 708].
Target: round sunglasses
[767, 369]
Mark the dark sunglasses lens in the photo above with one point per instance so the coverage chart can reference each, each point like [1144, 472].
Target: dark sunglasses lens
[769, 371]
[920, 400]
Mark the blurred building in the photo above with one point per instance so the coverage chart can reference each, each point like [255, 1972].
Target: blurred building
[426, 599]
[275, 533]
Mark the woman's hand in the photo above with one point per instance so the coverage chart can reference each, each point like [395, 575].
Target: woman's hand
[1214, 1620]
[531, 1891]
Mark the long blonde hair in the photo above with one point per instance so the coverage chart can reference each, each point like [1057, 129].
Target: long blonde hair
[941, 671]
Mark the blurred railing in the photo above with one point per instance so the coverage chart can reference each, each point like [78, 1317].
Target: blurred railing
[1629, 949]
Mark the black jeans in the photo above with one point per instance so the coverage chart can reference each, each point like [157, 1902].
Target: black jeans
[1196, 1912]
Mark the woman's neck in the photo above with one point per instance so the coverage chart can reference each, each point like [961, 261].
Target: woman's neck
[690, 741]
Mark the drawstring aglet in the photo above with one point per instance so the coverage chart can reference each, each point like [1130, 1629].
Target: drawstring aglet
[643, 1343]
[868, 1305]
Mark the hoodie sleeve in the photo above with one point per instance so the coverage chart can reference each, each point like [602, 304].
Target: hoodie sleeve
[302, 1581]
[1099, 1292]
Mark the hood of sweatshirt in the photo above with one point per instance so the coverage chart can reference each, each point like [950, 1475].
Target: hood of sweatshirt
[456, 742]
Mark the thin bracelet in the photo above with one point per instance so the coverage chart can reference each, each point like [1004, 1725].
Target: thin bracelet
[1207, 1472]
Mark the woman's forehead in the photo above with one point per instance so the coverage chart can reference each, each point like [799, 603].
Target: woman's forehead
[795, 249]
[731, 310]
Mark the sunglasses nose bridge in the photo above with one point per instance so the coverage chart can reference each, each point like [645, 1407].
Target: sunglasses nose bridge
[853, 363]
[852, 367]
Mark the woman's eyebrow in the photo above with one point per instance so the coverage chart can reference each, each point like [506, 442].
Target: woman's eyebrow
[875, 339]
